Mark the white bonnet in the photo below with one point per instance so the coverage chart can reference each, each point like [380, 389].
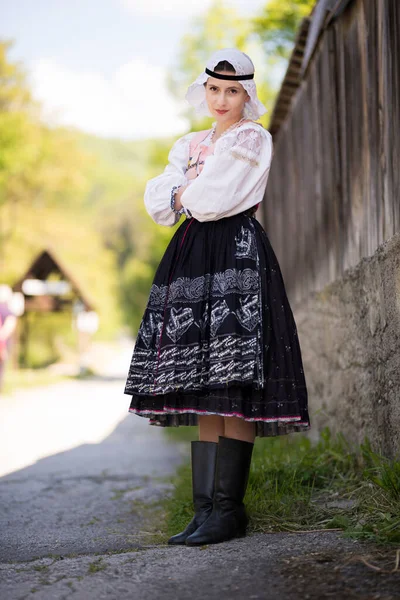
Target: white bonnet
[243, 65]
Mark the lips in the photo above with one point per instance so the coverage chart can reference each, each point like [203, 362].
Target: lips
[221, 112]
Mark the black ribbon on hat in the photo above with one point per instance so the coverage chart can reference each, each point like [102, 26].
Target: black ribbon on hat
[229, 77]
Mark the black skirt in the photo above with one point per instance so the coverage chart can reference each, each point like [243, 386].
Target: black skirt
[218, 336]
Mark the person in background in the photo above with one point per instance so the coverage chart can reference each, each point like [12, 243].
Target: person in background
[8, 323]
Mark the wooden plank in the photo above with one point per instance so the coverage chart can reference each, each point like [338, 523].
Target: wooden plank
[334, 189]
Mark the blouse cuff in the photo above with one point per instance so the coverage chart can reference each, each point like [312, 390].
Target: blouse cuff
[181, 211]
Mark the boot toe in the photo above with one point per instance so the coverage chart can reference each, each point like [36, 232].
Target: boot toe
[219, 527]
[200, 539]
[180, 538]
[177, 539]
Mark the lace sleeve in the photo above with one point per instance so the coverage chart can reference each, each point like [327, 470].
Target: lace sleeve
[245, 145]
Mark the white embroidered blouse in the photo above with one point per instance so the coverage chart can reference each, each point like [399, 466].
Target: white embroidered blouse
[232, 180]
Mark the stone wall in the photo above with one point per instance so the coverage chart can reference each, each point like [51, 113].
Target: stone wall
[349, 334]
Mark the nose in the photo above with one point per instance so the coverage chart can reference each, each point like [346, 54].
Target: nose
[221, 103]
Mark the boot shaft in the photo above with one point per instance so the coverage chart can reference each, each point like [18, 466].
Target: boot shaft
[232, 469]
[204, 458]
[228, 518]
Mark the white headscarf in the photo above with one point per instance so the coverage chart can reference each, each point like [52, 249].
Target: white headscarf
[243, 65]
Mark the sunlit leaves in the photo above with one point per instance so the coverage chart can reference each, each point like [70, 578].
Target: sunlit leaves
[278, 23]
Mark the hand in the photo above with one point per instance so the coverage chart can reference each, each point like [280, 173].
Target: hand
[178, 194]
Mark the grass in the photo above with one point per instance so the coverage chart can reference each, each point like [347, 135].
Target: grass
[296, 485]
[26, 378]
[96, 566]
[181, 434]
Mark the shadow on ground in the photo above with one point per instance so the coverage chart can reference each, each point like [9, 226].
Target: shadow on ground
[81, 501]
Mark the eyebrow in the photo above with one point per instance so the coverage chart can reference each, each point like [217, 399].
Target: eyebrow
[232, 87]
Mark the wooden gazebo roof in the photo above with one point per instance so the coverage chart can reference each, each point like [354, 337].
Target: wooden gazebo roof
[47, 264]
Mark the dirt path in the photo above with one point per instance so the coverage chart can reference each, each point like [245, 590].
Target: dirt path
[77, 472]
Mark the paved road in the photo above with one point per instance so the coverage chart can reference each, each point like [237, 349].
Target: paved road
[73, 463]
[78, 500]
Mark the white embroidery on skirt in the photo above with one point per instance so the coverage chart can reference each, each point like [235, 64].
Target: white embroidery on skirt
[246, 246]
[179, 322]
[150, 326]
[219, 312]
[192, 290]
[248, 313]
[227, 358]
[223, 357]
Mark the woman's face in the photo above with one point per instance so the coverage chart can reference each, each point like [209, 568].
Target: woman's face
[226, 99]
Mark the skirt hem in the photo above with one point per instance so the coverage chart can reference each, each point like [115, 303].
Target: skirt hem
[150, 413]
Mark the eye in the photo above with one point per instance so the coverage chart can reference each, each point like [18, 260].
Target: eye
[212, 87]
[234, 91]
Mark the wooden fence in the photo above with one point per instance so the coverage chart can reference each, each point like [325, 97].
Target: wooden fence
[333, 193]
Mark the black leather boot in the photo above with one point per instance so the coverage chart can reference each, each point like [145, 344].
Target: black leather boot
[228, 518]
[204, 455]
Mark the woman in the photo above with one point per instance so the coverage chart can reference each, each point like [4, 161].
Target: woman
[218, 346]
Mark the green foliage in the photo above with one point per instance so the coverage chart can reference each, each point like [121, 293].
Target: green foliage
[277, 25]
[28, 378]
[135, 284]
[96, 566]
[47, 178]
[48, 333]
[37, 164]
[14, 93]
[220, 27]
[136, 242]
[297, 485]
[82, 196]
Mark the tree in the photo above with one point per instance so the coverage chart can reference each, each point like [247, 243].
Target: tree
[223, 27]
[15, 122]
[37, 163]
[276, 26]
[220, 27]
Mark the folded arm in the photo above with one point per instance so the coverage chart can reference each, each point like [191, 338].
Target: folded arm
[233, 178]
[158, 190]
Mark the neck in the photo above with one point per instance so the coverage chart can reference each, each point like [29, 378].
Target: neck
[220, 128]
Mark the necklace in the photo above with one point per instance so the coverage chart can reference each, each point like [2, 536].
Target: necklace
[233, 126]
